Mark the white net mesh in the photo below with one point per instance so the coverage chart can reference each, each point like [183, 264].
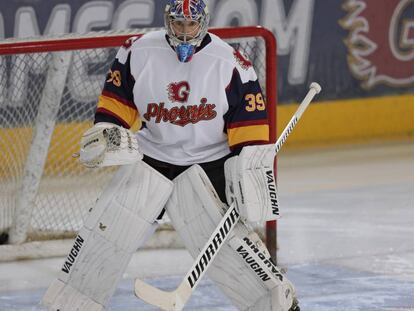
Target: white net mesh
[38, 174]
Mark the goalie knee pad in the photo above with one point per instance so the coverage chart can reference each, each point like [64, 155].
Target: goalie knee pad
[122, 220]
[243, 268]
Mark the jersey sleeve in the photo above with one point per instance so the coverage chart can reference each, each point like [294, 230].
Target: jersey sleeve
[246, 120]
[116, 102]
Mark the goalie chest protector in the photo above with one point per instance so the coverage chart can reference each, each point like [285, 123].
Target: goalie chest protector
[186, 107]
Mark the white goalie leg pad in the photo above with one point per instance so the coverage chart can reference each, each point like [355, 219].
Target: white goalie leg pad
[242, 269]
[122, 220]
[70, 297]
[251, 248]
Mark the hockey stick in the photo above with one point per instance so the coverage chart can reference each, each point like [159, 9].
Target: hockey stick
[176, 299]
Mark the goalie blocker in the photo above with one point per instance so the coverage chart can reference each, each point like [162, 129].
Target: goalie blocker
[251, 183]
[243, 268]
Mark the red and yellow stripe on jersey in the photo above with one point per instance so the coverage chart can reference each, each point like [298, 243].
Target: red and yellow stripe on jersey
[116, 103]
[124, 111]
[246, 133]
[246, 120]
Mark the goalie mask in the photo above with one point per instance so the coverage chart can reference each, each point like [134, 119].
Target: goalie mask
[186, 22]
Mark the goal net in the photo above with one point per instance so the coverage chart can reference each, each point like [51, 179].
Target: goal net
[48, 93]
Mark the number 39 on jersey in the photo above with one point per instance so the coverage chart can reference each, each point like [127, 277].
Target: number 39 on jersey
[254, 102]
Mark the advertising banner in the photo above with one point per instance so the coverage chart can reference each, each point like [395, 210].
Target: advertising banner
[354, 48]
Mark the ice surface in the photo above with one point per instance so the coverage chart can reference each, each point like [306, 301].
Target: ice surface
[346, 238]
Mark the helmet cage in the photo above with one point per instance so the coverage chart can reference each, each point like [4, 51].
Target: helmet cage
[187, 36]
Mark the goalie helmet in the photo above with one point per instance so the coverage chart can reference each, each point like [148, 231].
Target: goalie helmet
[186, 22]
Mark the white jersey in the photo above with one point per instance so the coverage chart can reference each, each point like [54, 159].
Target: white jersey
[192, 112]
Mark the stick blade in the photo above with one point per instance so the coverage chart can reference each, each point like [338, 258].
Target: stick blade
[169, 301]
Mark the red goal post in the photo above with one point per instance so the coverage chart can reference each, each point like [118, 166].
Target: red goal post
[48, 91]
